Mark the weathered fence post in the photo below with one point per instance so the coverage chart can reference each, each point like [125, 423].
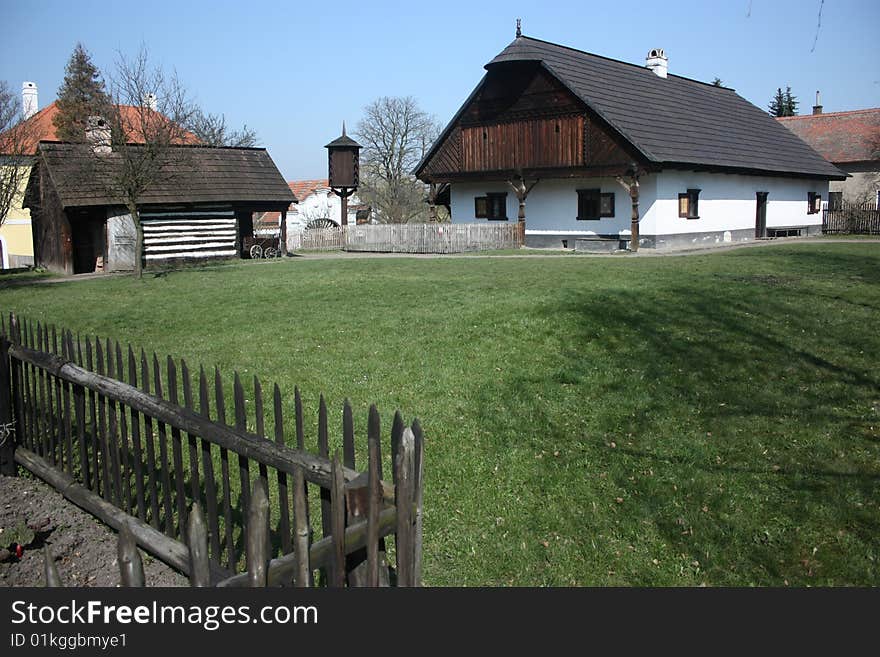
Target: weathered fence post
[199, 568]
[50, 571]
[257, 531]
[7, 426]
[405, 465]
[131, 568]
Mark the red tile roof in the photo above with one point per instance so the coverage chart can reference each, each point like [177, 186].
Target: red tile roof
[302, 189]
[840, 136]
[43, 127]
[305, 188]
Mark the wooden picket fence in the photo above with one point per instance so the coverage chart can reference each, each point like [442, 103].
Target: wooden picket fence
[316, 239]
[434, 238]
[411, 238]
[118, 444]
[852, 218]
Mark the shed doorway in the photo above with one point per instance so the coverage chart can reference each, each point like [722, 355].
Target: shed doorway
[88, 241]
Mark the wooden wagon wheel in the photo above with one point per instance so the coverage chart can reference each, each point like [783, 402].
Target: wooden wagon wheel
[256, 252]
[321, 223]
[270, 252]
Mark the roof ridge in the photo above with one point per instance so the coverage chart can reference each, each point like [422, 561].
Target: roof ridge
[618, 61]
[867, 110]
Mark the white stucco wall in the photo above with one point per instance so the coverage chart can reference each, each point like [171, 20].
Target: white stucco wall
[320, 205]
[551, 207]
[727, 202]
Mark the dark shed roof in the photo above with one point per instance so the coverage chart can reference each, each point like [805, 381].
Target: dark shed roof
[193, 174]
[674, 121]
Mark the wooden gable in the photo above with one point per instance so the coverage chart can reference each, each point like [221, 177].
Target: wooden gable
[522, 118]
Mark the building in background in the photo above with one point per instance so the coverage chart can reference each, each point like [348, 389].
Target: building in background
[316, 207]
[204, 212]
[712, 168]
[851, 141]
[16, 233]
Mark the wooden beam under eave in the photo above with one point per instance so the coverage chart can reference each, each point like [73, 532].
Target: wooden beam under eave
[503, 176]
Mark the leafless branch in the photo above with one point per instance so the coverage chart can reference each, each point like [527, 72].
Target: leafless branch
[395, 135]
[212, 130]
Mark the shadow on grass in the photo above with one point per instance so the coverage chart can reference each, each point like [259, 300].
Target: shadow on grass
[748, 399]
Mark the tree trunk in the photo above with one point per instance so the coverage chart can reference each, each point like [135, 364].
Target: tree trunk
[138, 242]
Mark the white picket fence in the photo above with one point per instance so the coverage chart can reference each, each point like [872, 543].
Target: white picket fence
[410, 238]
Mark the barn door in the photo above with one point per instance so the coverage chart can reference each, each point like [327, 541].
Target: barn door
[761, 215]
[121, 240]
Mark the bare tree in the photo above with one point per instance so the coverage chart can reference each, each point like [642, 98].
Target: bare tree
[395, 134]
[212, 130]
[147, 126]
[17, 143]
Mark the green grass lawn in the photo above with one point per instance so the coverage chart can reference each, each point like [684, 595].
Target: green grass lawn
[589, 421]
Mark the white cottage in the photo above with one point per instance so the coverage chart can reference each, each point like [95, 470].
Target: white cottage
[557, 137]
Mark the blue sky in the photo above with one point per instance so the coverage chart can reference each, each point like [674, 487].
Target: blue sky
[294, 73]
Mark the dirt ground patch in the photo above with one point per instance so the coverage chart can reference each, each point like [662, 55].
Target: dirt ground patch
[84, 548]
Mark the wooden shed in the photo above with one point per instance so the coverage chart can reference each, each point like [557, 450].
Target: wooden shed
[200, 208]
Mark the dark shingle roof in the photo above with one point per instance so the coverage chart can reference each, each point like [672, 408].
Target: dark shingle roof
[840, 136]
[194, 174]
[674, 120]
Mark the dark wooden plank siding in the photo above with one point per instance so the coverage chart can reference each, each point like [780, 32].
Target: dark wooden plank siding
[529, 143]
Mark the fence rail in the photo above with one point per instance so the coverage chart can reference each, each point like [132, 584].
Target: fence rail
[107, 430]
[852, 218]
[411, 238]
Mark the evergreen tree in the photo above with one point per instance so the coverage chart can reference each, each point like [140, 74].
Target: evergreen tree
[791, 103]
[777, 105]
[81, 95]
[783, 103]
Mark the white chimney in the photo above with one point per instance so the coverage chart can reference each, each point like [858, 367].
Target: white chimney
[658, 62]
[29, 104]
[151, 102]
[98, 135]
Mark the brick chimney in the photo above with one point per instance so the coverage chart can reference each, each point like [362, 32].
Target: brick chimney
[658, 62]
[817, 108]
[98, 135]
[29, 104]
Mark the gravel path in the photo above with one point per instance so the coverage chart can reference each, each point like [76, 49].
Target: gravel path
[84, 548]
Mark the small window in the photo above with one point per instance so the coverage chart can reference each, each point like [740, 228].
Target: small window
[492, 206]
[814, 203]
[606, 205]
[593, 204]
[689, 204]
[588, 204]
[835, 200]
[481, 207]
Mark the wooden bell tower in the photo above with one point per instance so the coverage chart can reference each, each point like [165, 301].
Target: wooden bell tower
[344, 164]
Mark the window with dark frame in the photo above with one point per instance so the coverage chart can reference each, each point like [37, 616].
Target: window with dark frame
[492, 206]
[481, 207]
[814, 203]
[835, 200]
[593, 204]
[689, 204]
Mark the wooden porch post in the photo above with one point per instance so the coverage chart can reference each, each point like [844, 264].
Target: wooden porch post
[634, 225]
[522, 192]
[632, 186]
[282, 247]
